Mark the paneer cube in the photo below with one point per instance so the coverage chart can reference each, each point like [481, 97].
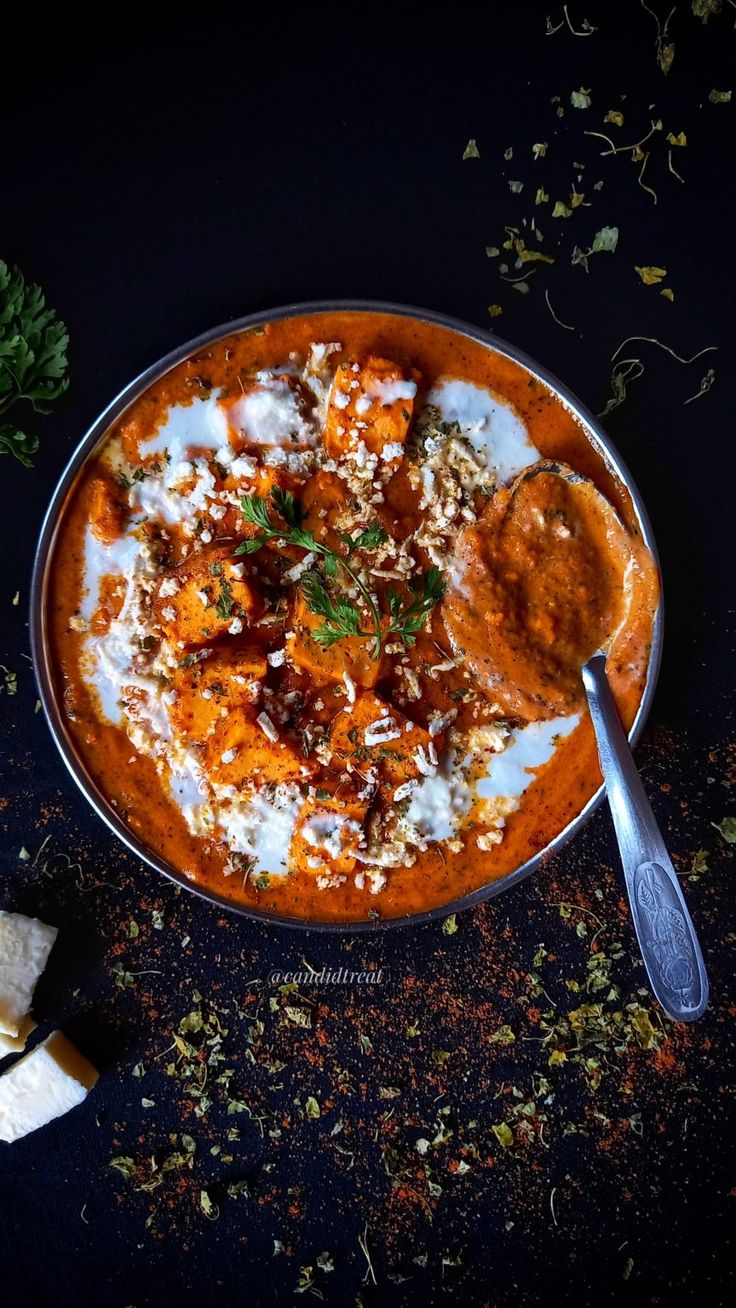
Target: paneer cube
[25, 944]
[208, 688]
[351, 655]
[111, 595]
[328, 829]
[324, 500]
[248, 747]
[370, 403]
[43, 1085]
[107, 513]
[206, 597]
[330, 509]
[375, 734]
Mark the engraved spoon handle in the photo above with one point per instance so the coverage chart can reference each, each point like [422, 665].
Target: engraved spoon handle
[667, 939]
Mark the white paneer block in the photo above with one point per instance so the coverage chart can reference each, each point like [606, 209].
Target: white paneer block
[43, 1085]
[25, 944]
[14, 1044]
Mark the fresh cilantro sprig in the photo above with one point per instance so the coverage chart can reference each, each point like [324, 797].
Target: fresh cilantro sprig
[342, 621]
[289, 508]
[342, 615]
[370, 539]
[407, 620]
[33, 362]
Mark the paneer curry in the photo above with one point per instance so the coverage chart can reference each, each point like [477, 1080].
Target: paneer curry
[318, 610]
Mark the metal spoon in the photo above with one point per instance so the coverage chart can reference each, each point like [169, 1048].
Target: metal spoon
[667, 940]
[664, 929]
[669, 945]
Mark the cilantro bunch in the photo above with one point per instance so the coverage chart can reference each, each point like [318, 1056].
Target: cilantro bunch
[33, 362]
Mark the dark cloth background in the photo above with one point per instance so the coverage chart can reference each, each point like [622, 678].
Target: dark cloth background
[157, 181]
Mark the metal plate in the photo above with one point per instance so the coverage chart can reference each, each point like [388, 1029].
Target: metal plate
[96, 437]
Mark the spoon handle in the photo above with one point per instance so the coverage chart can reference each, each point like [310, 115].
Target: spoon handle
[667, 939]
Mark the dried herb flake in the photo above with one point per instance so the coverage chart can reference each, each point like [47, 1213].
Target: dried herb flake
[651, 275]
[580, 99]
[727, 829]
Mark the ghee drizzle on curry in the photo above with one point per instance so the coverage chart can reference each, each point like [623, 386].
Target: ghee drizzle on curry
[312, 778]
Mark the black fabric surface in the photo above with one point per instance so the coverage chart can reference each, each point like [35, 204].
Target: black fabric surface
[156, 182]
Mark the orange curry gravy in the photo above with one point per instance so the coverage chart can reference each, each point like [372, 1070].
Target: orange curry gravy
[550, 575]
[561, 787]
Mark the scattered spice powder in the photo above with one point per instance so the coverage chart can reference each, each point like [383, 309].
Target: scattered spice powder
[515, 1050]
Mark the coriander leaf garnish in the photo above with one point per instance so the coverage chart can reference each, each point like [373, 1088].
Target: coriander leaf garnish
[342, 615]
[316, 594]
[369, 539]
[33, 362]
[289, 508]
[304, 539]
[407, 620]
[251, 546]
[255, 511]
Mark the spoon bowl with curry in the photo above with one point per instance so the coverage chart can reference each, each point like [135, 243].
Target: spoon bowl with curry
[548, 591]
